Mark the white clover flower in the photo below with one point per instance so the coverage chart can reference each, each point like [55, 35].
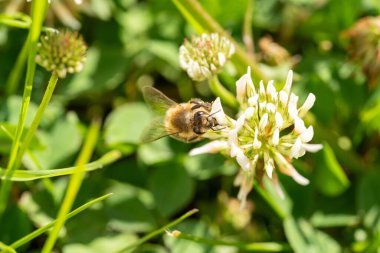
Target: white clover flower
[269, 128]
[205, 56]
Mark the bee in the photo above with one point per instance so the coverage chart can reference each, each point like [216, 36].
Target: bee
[186, 122]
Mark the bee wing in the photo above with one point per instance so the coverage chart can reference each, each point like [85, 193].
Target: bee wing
[157, 100]
[154, 131]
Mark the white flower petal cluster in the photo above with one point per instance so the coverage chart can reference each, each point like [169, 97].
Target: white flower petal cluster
[269, 128]
[205, 56]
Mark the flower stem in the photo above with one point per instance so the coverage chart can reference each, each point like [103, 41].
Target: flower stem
[253, 247]
[74, 184]
[219, 90]
[158, 231]
[38, 15]
[16, 73]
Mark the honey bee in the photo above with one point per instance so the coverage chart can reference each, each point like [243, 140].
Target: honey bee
[186, 122]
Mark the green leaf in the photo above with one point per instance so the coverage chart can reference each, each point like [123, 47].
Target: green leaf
[171, 187]
[47, 227]
[156, 152]
[129, 209]
[28, 175]
[61, 142]
[206, 166]
[126, 123]
[304, 238]
[329, 175]
[110, 244]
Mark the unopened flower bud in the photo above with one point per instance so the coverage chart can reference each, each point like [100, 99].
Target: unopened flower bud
[205, 56]
[61, 52]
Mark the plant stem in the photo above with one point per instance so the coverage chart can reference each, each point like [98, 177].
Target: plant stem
[254, 247]
[37, 118]
[38, 14]
[219, 90]
[74, 184]
[45, 228]
[14, 78]
[158, 231]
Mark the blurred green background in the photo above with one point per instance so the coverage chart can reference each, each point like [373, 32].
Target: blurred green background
[135, 43]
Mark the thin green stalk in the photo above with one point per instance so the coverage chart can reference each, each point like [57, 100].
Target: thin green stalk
[6, 249]
[38, 15]
[254, 247]
[45, 228]
[271, 202]
[193, 11]
[37, 118]
[16, 73]
[247, 30]
[158, 231]
[219, 90]
[74, 184]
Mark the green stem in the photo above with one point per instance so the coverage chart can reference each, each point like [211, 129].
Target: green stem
[74, 184]
[219, 90]
[16, 74]
[37, 118]
[193, 11]
[158, 231]
[271, 202]
[254, 247]
[45, 228]
[38, 14]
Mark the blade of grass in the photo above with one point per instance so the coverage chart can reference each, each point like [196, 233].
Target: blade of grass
[16, 73]
[253, 247]
[38, 15]
[158, 231]
[29, 175]
[74, 184]
[45, 228]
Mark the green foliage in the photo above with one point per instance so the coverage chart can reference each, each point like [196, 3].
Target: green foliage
[135, 43]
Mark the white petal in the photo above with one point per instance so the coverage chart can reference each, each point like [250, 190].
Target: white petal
[271, 107]
[211, 147]
[288, 84]
[288, 169]
[312, 147]
[256, 142]
[271, 90]
[263, 121]
[279, 120]
[243, 161]
[299, 125]
[262, 89]
[221, 58]
[276, 137]
[232, 137]
[268, 165]
[283, 97]
[243, 84]
[309, 102]
[218, 113]
[252, 101]
[249, 112]
[240, 122]
[297, 149]
[307, 135]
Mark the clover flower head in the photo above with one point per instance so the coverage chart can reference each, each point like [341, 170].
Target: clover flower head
[61, 52]
[268, 133]
[364, 46]
[205, 56]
